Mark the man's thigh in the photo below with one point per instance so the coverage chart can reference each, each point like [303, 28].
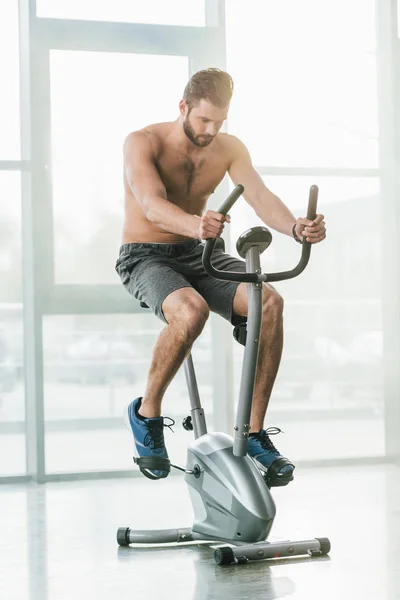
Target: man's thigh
[151, 281]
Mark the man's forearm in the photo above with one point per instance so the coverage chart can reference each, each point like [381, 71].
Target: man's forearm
[275, 213]
[171, 218]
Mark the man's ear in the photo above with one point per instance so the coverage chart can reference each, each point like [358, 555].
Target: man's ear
[183, 108]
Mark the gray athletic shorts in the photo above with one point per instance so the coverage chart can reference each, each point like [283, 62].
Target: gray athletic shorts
[150, 272]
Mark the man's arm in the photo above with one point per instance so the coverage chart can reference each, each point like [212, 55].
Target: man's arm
[267, 205]
[271, 210]
[147, 187]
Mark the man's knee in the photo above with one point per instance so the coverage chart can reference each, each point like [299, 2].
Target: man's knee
[273, 302]
[194, 313]
[190, 311]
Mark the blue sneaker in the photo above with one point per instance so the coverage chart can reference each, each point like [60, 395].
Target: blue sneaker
[148, 438]
[264, 452]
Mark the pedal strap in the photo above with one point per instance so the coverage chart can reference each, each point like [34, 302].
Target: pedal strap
[152, 463]
[274, 477]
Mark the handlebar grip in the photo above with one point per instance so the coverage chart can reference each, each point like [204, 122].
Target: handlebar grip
[312, 203]
[231, 199]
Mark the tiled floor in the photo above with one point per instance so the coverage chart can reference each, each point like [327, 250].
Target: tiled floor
[58, 541]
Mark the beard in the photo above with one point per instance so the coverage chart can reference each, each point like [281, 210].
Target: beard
[201, 141]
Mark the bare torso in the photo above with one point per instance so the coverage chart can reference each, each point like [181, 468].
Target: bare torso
[189, 180]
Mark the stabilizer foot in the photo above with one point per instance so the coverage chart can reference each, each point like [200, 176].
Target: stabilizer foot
[226, 555]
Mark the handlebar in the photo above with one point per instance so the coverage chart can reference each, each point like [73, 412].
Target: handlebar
[255, 277]
[231, 199]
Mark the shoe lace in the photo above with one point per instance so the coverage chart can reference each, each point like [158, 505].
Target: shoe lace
[264, 438]
[154, 437]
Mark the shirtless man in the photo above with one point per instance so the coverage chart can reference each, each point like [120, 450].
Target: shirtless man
[170, 170]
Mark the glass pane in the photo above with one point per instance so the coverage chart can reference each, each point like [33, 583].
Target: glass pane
[10, 238]
[10, 146]
[94, 366]
[155, 12]
[12, 396]
[328, 397]
[94, 107]
[306, 100]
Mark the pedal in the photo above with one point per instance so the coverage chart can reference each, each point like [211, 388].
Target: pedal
[272, 475]
[240, 333]
[278, 481]
[152, 463]
[187, 423]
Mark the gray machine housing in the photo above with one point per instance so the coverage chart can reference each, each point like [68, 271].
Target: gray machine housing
[228, 509]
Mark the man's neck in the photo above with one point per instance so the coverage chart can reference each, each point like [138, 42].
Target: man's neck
[183, 142]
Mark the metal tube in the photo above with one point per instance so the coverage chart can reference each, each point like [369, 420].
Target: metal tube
[159, 536]
[250, 358]
[191, 382]
[197, 412]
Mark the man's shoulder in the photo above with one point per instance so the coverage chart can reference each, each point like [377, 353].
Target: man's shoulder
[150, 135]
[230, 143]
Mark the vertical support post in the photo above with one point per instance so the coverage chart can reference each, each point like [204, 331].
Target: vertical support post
[33, 347]
[388, 74]
[250, 359]
[197, 412]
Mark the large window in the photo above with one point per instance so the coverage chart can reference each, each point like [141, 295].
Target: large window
[98, 82]
[305, 104]
[303, 101]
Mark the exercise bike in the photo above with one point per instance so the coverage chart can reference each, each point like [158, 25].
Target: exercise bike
[229, 490]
